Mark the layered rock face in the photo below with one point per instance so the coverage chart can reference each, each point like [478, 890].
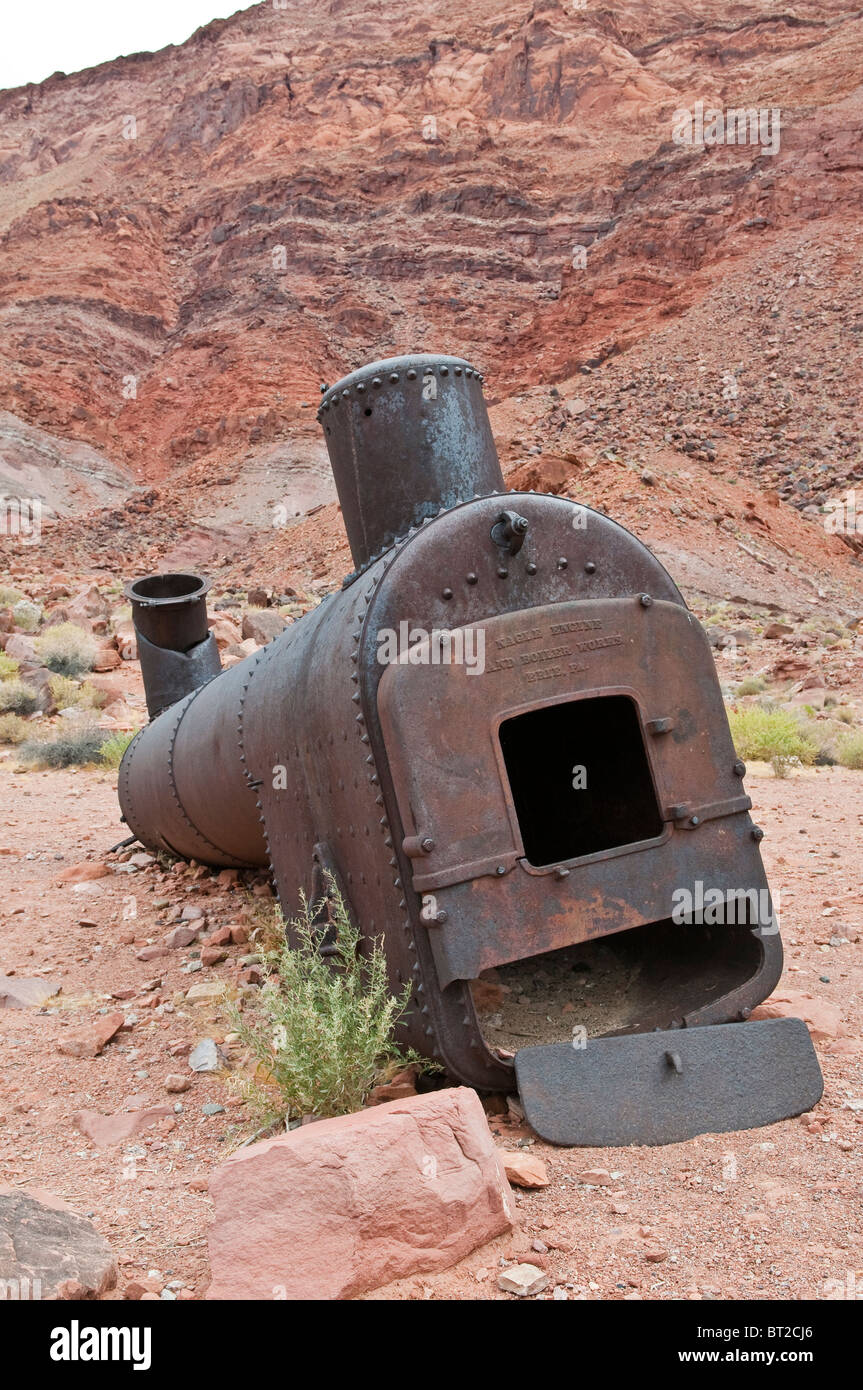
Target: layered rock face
[192, 240]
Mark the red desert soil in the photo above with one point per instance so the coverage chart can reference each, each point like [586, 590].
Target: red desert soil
[771, 1213]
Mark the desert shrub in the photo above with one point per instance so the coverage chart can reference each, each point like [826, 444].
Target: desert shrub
[16, 697]
[74, 747]
[9, 597]
[67, 649]
[64, 691]
[70, 694]
[112, 750]
[27, 615]
[8, 667]
[845, 713]
[771, 735]
[851, 751]
[321, 1027]
[751, 685]
[13, 729]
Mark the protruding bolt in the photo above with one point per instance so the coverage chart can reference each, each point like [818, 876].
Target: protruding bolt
[561, 872]
[530, 567]
[471, 578]
[739, 768]
[501, 869]
[694, 820]
[645, 600]
[757, 833]
[590, 567]
[447, 593]
[427, 845]
[562, 562]
[440, 917]
[502, 572]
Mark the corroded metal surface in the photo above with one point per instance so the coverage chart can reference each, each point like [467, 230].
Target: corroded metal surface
[662, 1088]
[406, 436]
[176, 650]
[437, 792]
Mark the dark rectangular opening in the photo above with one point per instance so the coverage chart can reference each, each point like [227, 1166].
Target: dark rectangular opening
[580, 778]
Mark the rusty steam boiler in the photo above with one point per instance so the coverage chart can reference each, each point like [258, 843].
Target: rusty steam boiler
[505, 739]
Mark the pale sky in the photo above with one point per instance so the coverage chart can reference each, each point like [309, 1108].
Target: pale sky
[44, 36]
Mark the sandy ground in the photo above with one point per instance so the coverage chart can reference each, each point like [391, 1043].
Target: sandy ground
[772, 1213]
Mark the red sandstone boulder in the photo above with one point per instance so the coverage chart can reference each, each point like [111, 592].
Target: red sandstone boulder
[822, 1018]
[336, 1208]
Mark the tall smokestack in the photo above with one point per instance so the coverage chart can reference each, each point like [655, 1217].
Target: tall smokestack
[406, 437]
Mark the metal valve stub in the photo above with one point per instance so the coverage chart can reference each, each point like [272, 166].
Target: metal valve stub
[509, 531]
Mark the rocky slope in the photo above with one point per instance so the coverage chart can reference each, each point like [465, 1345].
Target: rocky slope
[190, 241]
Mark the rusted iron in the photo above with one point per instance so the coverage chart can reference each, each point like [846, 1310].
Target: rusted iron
[505, 739]
[176, 649]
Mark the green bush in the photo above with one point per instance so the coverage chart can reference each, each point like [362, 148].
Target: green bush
[112, 750]
[770, 735]
[8, 667]
[67, 649]
[851, 752]
[13, 729]
[320, 1028]
[76, 747]
[16, 697]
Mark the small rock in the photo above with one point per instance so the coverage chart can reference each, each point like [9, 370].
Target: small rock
[263, 624]
[213, 1108]
[175, 1084]
[213, 955]
[401, 1085]
[596, 1177]
[220, 937]
[522, 1280]
[207, 992]
[208, 1057]
[83, 873]
[152, 952]
[90, 1042]
[181, 936]
[524, 1169]
[106, 1130]
[24, 992]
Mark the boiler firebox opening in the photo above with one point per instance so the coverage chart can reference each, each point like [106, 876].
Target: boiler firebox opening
[580, 779]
